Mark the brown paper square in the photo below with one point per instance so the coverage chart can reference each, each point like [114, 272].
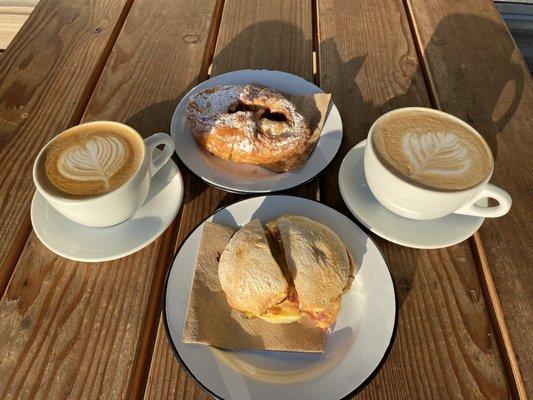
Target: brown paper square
[210, 320]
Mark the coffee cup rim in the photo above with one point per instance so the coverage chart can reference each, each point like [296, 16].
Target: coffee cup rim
[46, 193]
[370, 147]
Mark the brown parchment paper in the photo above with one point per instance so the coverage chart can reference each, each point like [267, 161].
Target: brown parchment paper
[210, 320]
[314, 109]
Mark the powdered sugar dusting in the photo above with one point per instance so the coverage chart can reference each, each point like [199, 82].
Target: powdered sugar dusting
[207, 106]
[245, 122]
[257, 139]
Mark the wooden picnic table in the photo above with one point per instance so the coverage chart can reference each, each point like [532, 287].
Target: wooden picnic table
[73, 330]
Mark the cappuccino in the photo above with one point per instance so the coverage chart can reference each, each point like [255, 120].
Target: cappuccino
[431, 151]
[90, 160]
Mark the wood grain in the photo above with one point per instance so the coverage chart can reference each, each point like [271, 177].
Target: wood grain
[444, 346]
[480, 76]
[264, 34]
[74, 330]
[47, 73]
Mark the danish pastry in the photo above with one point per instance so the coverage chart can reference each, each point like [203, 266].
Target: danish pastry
[247, 124]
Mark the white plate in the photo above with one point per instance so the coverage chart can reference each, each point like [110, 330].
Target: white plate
[428, 234]
[360, 339]
[82, 243]
[246, 178]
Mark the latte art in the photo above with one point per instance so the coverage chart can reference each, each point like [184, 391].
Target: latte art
[91, 160]
[440, 153]
[431, 150]
[98, 159]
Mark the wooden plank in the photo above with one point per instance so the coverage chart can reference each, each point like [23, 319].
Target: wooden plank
[479, 75]
[10, 24]
[86, 330]
[47, 73]
[264, 34]
[16, 9]
[444, 345]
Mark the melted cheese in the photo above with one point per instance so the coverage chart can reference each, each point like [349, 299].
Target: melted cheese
[283, 313]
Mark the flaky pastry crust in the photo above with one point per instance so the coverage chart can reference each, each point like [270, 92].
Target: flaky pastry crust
[247, 124]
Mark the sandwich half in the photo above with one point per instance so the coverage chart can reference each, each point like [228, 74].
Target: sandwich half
[319, 264]
[252, 279]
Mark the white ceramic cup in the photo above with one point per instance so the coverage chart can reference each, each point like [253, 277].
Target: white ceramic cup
[120, 204]
[410, 201]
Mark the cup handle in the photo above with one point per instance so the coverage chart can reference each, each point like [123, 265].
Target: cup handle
[489, 191]
[151, 143]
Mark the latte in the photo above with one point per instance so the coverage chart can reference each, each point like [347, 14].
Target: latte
[431, 150]
[90, 160]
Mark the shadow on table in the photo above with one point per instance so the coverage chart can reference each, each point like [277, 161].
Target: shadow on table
[478, 78]
[156, 118]
[482, 85]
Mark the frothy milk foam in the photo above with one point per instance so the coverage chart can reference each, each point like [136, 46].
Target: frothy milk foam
[431, 150]
[90, 160]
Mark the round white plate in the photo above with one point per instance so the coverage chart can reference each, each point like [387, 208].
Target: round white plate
[82, 243]
[247, 178]
[355, 348]
[428, 234]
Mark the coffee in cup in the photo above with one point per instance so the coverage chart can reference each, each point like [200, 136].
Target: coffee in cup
[91, 160]
[424, 164]
[98, 173]
[431, 151]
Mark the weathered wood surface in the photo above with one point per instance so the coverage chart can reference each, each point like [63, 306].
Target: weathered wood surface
[264, 34]
[47, 76]
[480, 76]
[86, 330]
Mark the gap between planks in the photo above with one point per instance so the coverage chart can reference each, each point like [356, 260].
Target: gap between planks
[89, 90]
[316, 37]
[143, 359]
[476, 245]
[315, 71]
[209, 53]
[19, 242]
[141, 368]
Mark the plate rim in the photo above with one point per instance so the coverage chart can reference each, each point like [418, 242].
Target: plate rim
[59, 252]
[389, 238]
[257, 192]
[182, 363]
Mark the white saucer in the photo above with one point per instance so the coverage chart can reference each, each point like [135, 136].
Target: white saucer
[429, 234]
[82, 243]
[247, 178]
[355, 349]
